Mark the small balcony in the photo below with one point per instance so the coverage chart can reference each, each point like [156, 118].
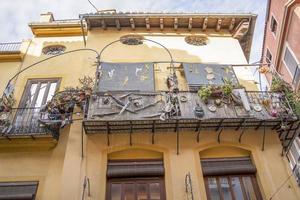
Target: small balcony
[29, 123]
[10, 51]
[118, 112]
[13, 47]
[149, 97]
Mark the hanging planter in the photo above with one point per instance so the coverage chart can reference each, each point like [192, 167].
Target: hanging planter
[63, 103]
[264, 69]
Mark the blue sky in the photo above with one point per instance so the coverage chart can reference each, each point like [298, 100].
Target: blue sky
[16, 14]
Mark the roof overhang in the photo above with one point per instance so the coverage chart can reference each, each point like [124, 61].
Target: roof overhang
[58, 28]
[241, 26]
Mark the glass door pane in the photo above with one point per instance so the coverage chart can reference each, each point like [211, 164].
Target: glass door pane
[249, 190]
[128, 191]
[213, 189]
[142, 191]
[116, 191]
[236, 188]
[52, 90]
[154, 191]
[225, 188]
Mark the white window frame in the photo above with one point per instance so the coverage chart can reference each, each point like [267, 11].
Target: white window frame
[286, 46]
[270, 25]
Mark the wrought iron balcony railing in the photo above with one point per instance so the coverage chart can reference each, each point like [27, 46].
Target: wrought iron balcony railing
[121, 111]
[30, 122]
[12, 47]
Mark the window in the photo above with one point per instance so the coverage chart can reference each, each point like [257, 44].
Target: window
[54, 50]
[230, 178]
[18, 190]
[36, 94]
[232, 187]
[136, 189]
[132, 39]
[268, 56]
[196, 40]
[294, 158]
[292, 65]
[135, 180]
[273, 25]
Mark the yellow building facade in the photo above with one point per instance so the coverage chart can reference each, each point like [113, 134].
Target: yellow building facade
[128, 155]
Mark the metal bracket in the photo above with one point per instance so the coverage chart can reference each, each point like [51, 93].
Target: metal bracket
[243, 131]
[153, 131]
[264, 136]
[177, 137]
[219, 134]
[107, 133]
[199, 130]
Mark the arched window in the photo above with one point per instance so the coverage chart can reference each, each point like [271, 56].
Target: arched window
[53, 50]
[196, 40]
[132, 39]
[135, 174]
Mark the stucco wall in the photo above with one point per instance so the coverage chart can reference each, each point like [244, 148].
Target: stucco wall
[61, 170]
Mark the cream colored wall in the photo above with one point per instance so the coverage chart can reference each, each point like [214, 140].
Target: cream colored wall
[7, 69]
[272, 169]
[35, 163]
[61, 170]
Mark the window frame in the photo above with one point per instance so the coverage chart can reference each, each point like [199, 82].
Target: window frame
[22, 183]
[272, 20]
[287, 47]
[268, 52]
[229, 178]
[31, 81]
[135, 181]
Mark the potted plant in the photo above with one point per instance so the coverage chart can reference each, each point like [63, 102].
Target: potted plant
[227, 87]
[204, 93]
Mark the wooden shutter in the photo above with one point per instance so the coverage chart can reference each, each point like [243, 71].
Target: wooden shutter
[136, 168]
[18, 190]
[227, 166]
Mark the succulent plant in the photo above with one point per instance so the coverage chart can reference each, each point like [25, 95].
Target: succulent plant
[205, 92]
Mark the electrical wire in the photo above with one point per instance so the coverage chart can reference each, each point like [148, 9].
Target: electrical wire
[93, 5]
[279, 188]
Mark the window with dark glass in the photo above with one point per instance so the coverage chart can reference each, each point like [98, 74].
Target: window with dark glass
[135, 180]
[230, 179]
[268, 56]
[293, 156]
[36, 94]
[273, 25]
[18, 190]
[292, 65]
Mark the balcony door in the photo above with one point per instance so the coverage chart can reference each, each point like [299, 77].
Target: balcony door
[135, 180]
[230, 179]
[136, 189]
[37, 92]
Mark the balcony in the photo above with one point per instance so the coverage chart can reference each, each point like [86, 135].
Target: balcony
[136, 97]
[10, 51]
[154, 111]
[29, 123]
[13, 47]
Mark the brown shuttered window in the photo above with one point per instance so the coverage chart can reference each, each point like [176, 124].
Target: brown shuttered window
[230, 179]
[18, 190]
[227, 166]
[137, 168]
[135, 180]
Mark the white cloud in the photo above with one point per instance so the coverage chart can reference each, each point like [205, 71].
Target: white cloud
[16, 14]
